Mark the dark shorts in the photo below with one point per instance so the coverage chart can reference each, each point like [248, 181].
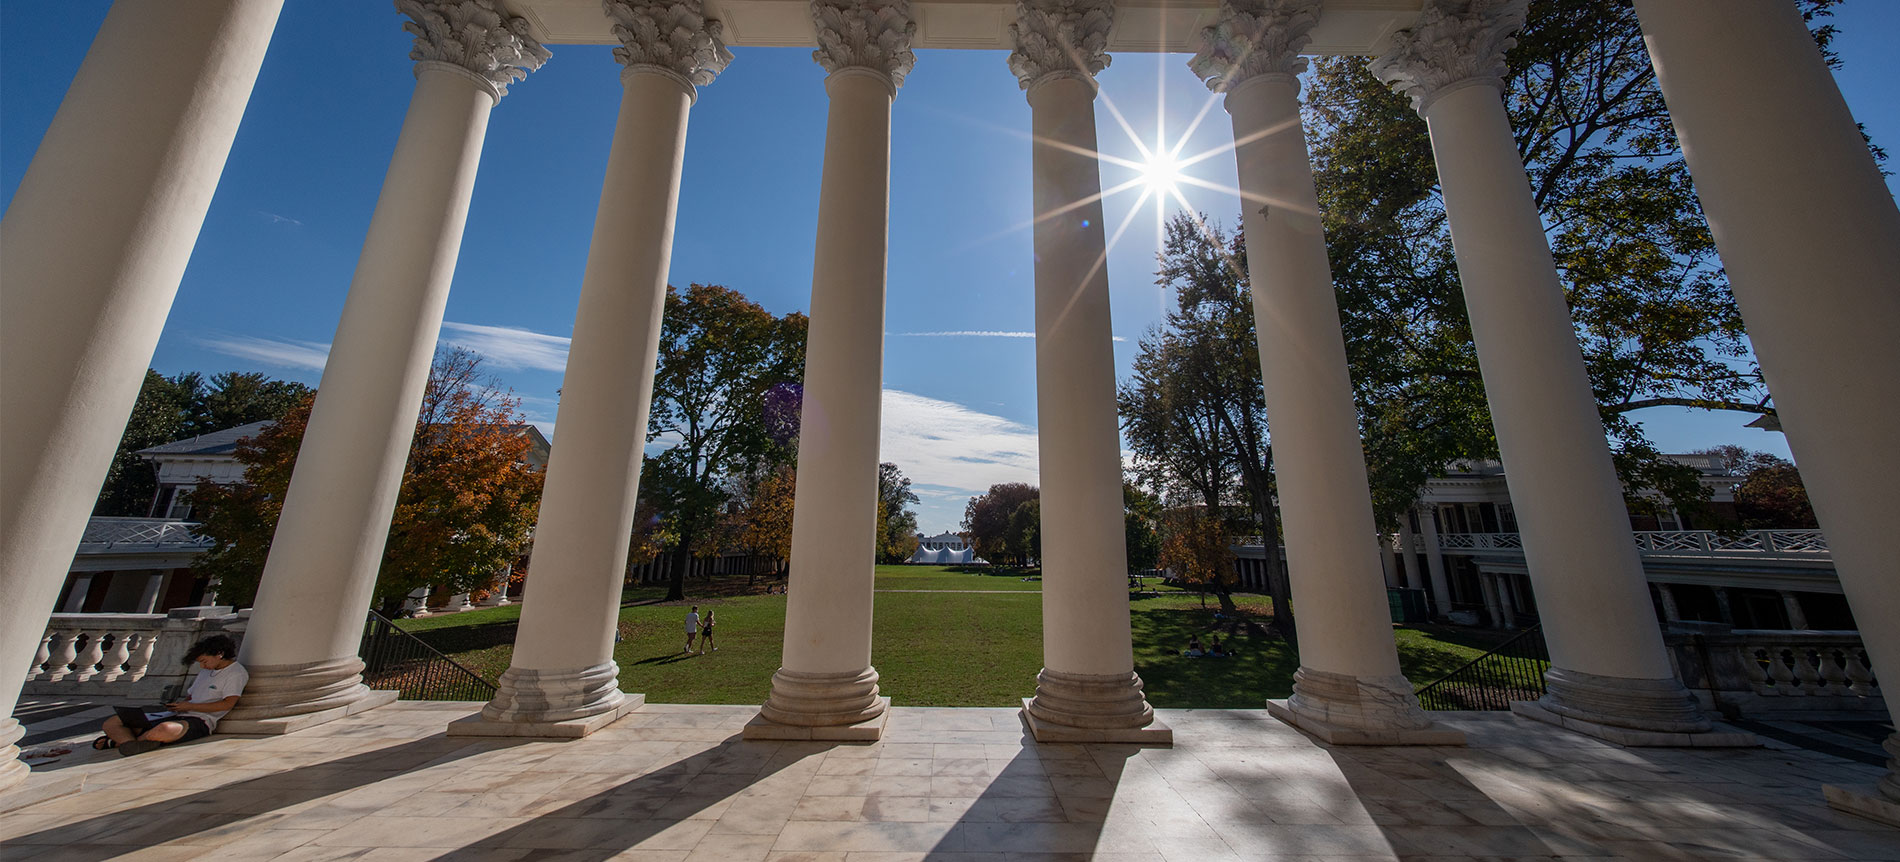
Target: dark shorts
[195, 727]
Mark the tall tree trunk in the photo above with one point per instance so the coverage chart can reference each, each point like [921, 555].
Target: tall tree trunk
[682, 559]
[1261, 495]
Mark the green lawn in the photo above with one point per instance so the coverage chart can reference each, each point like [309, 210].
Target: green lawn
[976, 648]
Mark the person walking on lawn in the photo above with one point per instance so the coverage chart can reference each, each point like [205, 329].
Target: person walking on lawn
[692, 627]
[705, 634]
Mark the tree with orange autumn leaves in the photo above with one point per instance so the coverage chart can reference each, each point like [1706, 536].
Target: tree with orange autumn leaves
[1197, 546]
[466, 510]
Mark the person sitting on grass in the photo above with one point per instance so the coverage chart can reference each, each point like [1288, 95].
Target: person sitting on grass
[213, 692]
[1214, 648]
[1194, 648]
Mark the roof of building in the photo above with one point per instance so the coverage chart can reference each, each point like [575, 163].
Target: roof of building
[215, 443]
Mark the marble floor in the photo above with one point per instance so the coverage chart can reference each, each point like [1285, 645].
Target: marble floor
[677, 783]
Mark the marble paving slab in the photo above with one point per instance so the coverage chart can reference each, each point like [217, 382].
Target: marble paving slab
[678, 782]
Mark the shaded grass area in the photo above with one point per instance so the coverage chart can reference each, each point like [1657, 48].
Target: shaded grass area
[945, 648]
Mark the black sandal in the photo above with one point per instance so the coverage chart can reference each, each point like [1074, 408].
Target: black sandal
[104, 743]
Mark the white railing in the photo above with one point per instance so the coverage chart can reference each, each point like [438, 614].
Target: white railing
[1755, 544]
[106, 533]
[136, 655]
[1781, 665]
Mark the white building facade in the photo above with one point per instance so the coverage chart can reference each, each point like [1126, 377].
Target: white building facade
[1808, 234]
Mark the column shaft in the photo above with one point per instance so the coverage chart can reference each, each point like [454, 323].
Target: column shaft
[1346, 641]
[563, 667]
[826, 676]
[1570, 512]
[1810, 239]
[92, 249]
[1434, 559]
[318, 580]
[1088, 676]
[1408, 554]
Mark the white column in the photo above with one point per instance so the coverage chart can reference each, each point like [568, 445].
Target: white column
[1493, 601]
[1088, 684]
[1607, 659]
[1434, 558]
[1810, 239]
[91, 252]
[1671, 613]
[825, 678]
[148, 599]
[1408, 554]
[76, 597]
[1387, 567]
[1349, 665]
[317, 581]
[563, 668]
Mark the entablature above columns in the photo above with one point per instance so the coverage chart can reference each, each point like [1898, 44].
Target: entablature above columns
[1141, 26]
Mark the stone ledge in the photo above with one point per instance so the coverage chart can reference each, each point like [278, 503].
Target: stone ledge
[294, 723]
[1156, 733]
[573, 728]
[40, 787]
[1637, 738]
[1864, 800]
[1333, 734]
[868, 730]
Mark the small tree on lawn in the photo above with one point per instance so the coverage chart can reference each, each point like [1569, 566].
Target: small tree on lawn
[986, 518]
[896, 525]
[465, 512]
[1195, 544]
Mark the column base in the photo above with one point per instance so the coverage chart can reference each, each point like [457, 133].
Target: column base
[1537, 710]
[1880, 801]
[278, 691]
[1334, 734]
[1656, 705]
[871, 729]
[34, 789]
[811, 700]
[13, 770]
[1156, 733]
[281, 725]
[548, 697]
[573, 728]
[1086, 707]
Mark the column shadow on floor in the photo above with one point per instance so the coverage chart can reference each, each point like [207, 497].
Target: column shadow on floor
[107, 836]
[631, 812]
[1022, 811]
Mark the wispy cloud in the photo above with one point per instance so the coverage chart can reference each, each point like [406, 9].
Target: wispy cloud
[952, 453]
[974, 333]
[274, 218]
[280, 352]
[509, 346]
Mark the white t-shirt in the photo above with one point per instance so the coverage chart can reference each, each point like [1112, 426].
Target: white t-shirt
[210, 686]
[692, 622]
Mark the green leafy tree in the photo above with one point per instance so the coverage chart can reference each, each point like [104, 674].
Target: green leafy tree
[1193, 412]
[465, 511]
[1024, 537]
[1141, 512]
[720, 356]
[1652, 309]
[986, 520]
[897, 525]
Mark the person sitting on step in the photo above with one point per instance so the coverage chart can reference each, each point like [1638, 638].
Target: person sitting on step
[212, 693]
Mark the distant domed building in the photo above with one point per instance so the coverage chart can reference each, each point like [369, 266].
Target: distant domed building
[943, 549]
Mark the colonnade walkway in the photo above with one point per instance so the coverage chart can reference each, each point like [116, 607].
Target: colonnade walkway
[674, 782]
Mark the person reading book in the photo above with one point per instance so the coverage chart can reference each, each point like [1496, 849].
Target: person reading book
[212, 693]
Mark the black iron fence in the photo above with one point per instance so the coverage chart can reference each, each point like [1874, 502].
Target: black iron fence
[1513, 670]
[396, 659]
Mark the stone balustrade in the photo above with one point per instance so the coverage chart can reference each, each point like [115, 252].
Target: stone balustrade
[1759, 671]
[129, 655]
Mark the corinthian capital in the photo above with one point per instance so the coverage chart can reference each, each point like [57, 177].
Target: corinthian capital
[866, 34]
[1254, 37]
[474, 35]
[1455, 43]
[673, 36]
[1060, 37]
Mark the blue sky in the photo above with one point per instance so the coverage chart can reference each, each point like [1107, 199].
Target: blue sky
[267, 281]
